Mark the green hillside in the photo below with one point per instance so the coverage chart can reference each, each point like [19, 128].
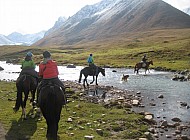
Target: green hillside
[167, 48]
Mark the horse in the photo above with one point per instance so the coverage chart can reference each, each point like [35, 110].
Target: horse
[25, 84]
[140, 65]
[125, 77]
[50, 100]
[88, 71]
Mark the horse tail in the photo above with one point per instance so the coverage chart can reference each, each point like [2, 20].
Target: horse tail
[51, 102]
[80, 77]
[19, 97]
[52, 111]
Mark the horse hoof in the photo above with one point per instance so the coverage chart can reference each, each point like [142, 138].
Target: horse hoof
[25, 119]
[15, 109]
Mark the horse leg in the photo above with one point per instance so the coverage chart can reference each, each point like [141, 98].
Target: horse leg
[97, 80]
[87, 83]
[137, 71]
[92, 80]
[84, 83]
[24, 104]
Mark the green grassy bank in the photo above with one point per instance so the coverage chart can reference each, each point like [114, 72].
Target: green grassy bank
[87, 117]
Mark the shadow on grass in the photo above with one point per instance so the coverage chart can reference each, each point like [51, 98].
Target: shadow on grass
[22, 129]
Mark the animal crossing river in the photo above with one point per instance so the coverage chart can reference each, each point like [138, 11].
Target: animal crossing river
[151, 86]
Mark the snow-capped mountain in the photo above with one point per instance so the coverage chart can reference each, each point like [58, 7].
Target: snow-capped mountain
[110, 18]
[5, 41]
[187, 11]
[57, 24]
[26, 39]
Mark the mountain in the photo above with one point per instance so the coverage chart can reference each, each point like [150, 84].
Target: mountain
[109, 19]
[57, 24]
[187, 11]
[26, 39]
[5, 41]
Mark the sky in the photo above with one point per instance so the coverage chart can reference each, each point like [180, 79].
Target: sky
[32, 16]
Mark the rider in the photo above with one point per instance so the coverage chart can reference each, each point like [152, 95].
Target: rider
[28, 67]
[144, 59]
[48, 72]
[91, 64]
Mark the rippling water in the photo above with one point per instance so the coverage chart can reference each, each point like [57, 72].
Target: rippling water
[150, 85]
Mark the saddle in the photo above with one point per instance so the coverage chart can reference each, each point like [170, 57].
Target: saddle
[23, 78]
[143, 64]
[93, 70]
[51, 83]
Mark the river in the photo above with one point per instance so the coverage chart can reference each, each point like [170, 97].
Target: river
[150, 85]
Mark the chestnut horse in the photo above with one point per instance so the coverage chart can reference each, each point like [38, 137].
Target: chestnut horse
[140, 65]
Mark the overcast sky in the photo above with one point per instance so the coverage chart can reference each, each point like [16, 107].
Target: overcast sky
[32, 16]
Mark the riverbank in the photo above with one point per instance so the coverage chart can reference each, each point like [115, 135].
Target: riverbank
[161, 127]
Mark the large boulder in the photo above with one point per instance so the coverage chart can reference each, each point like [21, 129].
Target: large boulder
[71, 66]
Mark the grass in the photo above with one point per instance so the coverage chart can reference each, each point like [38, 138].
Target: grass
[87, 117]
[167, 48]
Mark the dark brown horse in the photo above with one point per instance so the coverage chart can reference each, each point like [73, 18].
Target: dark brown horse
[25, 85]
[140, 65]
[50, 102]
[87, 71]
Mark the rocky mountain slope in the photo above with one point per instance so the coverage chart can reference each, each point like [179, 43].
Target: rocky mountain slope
[113, 18]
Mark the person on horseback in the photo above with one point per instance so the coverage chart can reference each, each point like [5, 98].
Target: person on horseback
[91, 64]
[144, 59]
[48, 72]
[28, 67]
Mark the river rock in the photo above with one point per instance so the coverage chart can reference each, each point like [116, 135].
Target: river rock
[135, 102]
[168, 136]
[183, 103]
[1, 68]
[71, 66]
[88, 137]
[160, 96]
[164, 123]
[176, 120]
[184, 137]
[99, 131]
[152, 130]
[143, 139]
[177, 131]
[149, 117]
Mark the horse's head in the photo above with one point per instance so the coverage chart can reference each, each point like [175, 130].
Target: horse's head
[102, 71]
[151, 62]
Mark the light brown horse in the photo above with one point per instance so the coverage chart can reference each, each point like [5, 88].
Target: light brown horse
[140, 65]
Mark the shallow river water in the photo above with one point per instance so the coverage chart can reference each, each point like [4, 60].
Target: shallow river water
[150, 85]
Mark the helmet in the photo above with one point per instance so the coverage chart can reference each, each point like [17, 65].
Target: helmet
[29, 54]
[90, 54]
[46, 54]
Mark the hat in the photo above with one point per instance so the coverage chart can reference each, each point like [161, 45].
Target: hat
[29, 54]
[46, 54]
[90, 54]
